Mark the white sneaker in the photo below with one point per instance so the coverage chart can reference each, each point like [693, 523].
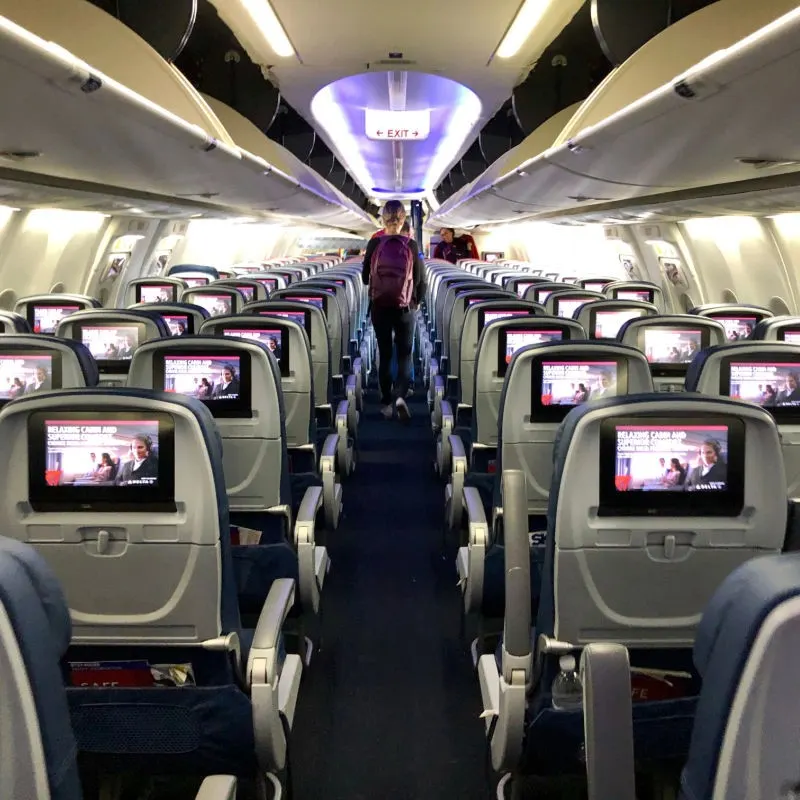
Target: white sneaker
[410, 392]
[387, 412]
[403, 414]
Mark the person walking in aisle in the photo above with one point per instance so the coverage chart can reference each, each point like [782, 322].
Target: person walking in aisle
[395, 273]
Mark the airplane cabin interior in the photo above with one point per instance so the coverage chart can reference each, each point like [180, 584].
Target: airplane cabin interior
[399, 402]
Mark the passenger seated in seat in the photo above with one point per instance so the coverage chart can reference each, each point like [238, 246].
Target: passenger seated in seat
[395, 274]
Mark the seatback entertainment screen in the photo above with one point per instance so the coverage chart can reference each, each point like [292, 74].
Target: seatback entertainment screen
[178, 324]
[219, 379]
[512, 339]
[672, 467]
[643, 295]
[195, 282]
[300, 317]
[156, 293]
[568, 307]
[608, 323]
[26, 373]
[46, 318]
[276, 340]
[110, 460]
[671, 345]
[247, 291]
[110, 342]
[316, 300]
[217, 305]
[772, 384]
[595, 286]
[270, 284]
[523, 287]
[737, 328]
[574, 383]
[792, 337]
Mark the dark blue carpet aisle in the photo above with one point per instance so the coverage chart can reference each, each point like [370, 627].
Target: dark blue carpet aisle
[389, 708]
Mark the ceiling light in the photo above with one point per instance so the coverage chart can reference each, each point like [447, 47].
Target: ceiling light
[265, 19]
[528, 17]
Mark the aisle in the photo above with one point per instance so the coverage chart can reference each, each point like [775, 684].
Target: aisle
[389, 708]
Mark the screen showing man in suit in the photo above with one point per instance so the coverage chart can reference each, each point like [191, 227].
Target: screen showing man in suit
[128, 452]
[769, 385]
[204, 377]
[575, 383]
[22, 374]
[111, 342]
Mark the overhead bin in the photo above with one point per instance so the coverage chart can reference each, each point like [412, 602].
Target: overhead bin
[459, 211]
[727, 120]
[66, 120]
[248, 137]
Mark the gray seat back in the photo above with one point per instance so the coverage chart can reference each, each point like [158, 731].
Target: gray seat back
[643, 291]
[251, 290]
[446, 297]
[42, 364]
[101, 554]
[478, 316]
[540, 292]
[669, 343]
[539, 393]
[218, 300]
[181, 319]
[45, 311]
[328, 305]
[739, 319]
[112, 336]
[317, 331]
[643, 578]
[288, 342]
[252, 446]
[602, 319]
[766, 374]
[454, 324]
[565, 302]
[597, 283]
[778, 329]
[153, 290]
[496, 346]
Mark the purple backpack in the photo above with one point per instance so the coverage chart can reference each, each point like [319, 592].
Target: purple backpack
[391, 273]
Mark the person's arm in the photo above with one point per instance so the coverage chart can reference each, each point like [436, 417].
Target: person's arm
[419, 274]
[373, 243]
[438, 251]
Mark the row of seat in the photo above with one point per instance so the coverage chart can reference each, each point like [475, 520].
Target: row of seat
[574, 529]
[195, 669]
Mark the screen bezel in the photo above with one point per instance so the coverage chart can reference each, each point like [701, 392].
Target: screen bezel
[665, 370]
[56, 379]
[572, 298]
[502, 341]
[217, 292]
[174, 288]
[189, 322]
[31, 312]
[784, 414]
[241, 408]
[284, 360]
[593, 320]
[277, 313]
[543, 413]
[107, 365]
[650, 294]
[306, 298]
[513, 313]
[728, 503]
[145, 499]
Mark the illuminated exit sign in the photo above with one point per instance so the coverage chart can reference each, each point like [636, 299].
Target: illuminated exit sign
[409, 126]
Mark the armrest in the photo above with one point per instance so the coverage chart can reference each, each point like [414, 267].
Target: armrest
[217, 787]
[444, 363]
[344, 412]
[451, 388]
[608, 721]
[304, 541]
[358, 371]
[476, 549]
[331, 487]
[350, 390]
[438, 397]
[262, 663]
[437, 348]
[443, 444]
[327, 410]
[347, 364]
[457, 475]
[517, 622]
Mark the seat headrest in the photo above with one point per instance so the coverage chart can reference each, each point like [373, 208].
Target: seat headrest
[76, 368]
[177, 269]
